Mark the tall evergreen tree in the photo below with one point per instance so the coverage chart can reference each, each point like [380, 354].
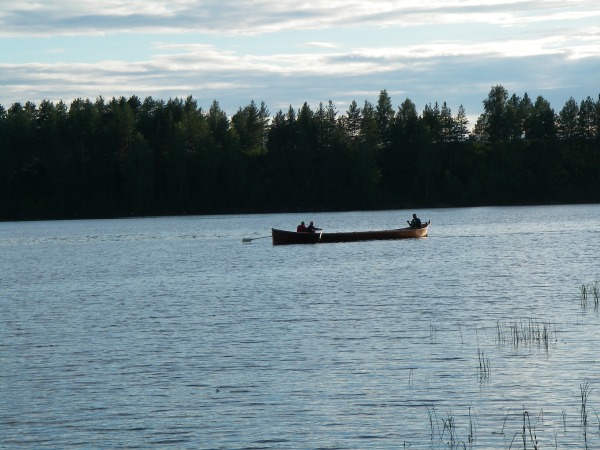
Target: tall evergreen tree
[496, 123]
[251, 125]
[432, 120]
[568, 120]
[352, 123]
[541, 121]
[446, 124]
[586, 120]
[384, 113]
[460, 130]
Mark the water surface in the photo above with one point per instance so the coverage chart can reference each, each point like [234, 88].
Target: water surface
[171, 332]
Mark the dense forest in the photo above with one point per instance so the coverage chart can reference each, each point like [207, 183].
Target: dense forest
[128, 157]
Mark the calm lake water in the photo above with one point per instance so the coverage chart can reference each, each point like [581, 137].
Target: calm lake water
[172, 333]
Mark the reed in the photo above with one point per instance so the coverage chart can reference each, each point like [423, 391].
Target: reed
[432, 333]
[471, 436]
[450, 428]
[527, 434]
[584, 295]
[526, 333]
[447, 434]
[484, 365]
[585, 392]
[590, 294]
[504, 422]
[519, 429]
[433, 423]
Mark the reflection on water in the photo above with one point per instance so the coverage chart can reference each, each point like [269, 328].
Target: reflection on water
[171, 332]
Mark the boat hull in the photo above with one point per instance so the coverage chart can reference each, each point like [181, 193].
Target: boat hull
[283, 237]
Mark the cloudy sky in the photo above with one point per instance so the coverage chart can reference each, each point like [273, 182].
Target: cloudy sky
[289, 52]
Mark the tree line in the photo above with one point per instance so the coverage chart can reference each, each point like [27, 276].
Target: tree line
[128, 157]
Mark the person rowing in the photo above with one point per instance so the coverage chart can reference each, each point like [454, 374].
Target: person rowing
[415, 222]
[311, 228]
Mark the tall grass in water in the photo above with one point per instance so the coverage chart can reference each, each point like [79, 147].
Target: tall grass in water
[447, 434]
[485, 369]
[527, 434]
[520, 429]
[526, 333]
[432, 333]
[585, 392]
[590, 293]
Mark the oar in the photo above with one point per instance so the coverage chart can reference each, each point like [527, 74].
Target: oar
[251, 239]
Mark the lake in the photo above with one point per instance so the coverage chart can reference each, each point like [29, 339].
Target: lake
[172, 333]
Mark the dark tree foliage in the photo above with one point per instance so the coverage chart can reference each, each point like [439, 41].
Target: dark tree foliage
[131, 157]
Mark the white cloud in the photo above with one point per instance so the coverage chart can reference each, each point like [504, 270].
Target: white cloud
[320, 45]
[288, 52]
[69, 17]
[54, 51]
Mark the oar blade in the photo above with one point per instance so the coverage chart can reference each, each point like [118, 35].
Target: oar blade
[251, 239]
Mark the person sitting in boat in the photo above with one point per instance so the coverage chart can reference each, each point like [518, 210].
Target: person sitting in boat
[311, 227]
[301, 228]
[415, 222]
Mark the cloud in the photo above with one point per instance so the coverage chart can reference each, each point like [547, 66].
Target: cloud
[68, 17]
[424, 73]
[54, 51]
[320, 45]
[289, 52]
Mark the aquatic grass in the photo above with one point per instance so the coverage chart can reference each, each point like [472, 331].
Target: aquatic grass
[450, 428]
[590, 293]
[526, 333]
[585, 392]
[504, 422]
[484, 365]
[433, 423]
[584, 295]
[432, 333]
[527, 434]
[521, 430]
[471, 436]
[462, 341]
[447, 434]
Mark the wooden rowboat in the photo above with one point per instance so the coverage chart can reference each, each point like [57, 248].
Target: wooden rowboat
[283, 237]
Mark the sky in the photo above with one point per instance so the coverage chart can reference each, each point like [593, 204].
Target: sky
[285, 52]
